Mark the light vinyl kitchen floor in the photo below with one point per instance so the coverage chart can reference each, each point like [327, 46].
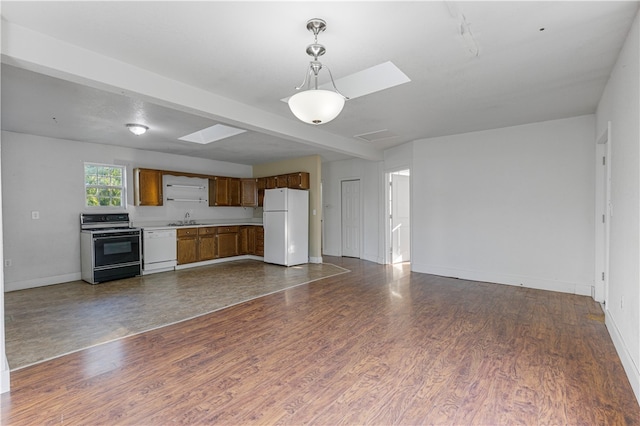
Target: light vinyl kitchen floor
[46, 322]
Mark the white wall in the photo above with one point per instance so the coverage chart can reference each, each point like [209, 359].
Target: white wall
[620, 105]
[370, 175]
[47, 175]
[511, 205]
[5, 375]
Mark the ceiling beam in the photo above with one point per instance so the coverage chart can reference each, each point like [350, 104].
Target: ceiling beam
[38, 52]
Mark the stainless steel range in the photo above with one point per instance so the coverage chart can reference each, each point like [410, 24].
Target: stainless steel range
[110, 248]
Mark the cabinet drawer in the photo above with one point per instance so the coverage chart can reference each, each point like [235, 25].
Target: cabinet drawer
[210, 230]
[228, 229]
[187, 232]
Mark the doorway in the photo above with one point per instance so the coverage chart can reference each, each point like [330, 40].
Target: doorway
[350, 190]
[399, 216]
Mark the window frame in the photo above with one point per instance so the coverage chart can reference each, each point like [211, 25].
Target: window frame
[122, 187]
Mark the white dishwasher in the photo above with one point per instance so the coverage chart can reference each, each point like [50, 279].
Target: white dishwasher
[159, 250]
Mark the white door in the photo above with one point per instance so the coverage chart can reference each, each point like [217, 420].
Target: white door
[400, 217]
[603, 215]
[351, 218]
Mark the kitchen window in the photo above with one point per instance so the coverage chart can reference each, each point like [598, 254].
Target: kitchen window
[104, 185]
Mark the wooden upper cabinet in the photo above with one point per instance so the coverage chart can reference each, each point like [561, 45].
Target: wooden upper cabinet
[234, 192]
[218, 191]
[261, 183]
[298, 180]
[148, 187]
[248, 192]
[224, 191]
[270, 182]
[282, 181]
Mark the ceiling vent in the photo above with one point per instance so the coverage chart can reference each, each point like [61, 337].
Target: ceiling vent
[377, 136]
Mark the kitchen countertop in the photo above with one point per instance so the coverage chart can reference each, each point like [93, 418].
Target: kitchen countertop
[199, 223]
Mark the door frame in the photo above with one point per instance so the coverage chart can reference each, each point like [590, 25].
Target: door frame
[603, 215]
[387, 212]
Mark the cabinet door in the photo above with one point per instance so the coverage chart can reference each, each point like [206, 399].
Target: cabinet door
[282, 181]
[234, 192]
[206, 247]
[219, 191]
[227, 244]
[251, 240]
[270, 182]
[247, 240]
[259, 250]
[244, 240]
[148, 187]
[249, 192]
[261, 184]
[187, 249]
[298, 180]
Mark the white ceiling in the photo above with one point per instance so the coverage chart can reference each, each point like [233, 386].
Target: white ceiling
[536, 61]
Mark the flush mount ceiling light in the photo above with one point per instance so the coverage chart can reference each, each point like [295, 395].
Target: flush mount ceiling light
[137, 129]
[313, 105]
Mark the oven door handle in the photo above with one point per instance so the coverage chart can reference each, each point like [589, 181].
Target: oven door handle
[116, 236]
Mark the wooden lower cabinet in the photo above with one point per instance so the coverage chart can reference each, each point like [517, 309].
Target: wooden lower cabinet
[247, 240]
[196, 244]
[259, 241]
[252, 240]
[228, 241]
[214, 242]
[206, 243]
[187, 245]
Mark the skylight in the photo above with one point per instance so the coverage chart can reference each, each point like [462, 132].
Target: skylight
[212, 134]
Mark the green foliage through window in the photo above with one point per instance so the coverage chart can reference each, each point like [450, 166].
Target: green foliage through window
[104, 185]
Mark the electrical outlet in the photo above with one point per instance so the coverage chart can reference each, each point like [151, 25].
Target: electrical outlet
[35, 215]
[8, 262]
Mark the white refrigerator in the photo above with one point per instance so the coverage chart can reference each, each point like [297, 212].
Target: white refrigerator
[286, 226]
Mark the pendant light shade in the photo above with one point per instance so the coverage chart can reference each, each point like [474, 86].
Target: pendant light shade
[316, 106]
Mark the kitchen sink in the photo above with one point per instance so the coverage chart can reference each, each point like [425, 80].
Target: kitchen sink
[180, 223]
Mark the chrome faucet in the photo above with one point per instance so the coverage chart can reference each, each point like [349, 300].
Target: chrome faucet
[186, 217]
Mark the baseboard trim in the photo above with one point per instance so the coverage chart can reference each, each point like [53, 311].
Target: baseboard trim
[5, 379]
[373, 258]
[41, 282]
[633, 374]
[508, 279]
[315, 259]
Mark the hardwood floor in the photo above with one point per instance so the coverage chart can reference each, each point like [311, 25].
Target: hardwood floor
[379, 345]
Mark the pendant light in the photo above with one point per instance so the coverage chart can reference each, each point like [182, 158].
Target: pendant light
[313, 105]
